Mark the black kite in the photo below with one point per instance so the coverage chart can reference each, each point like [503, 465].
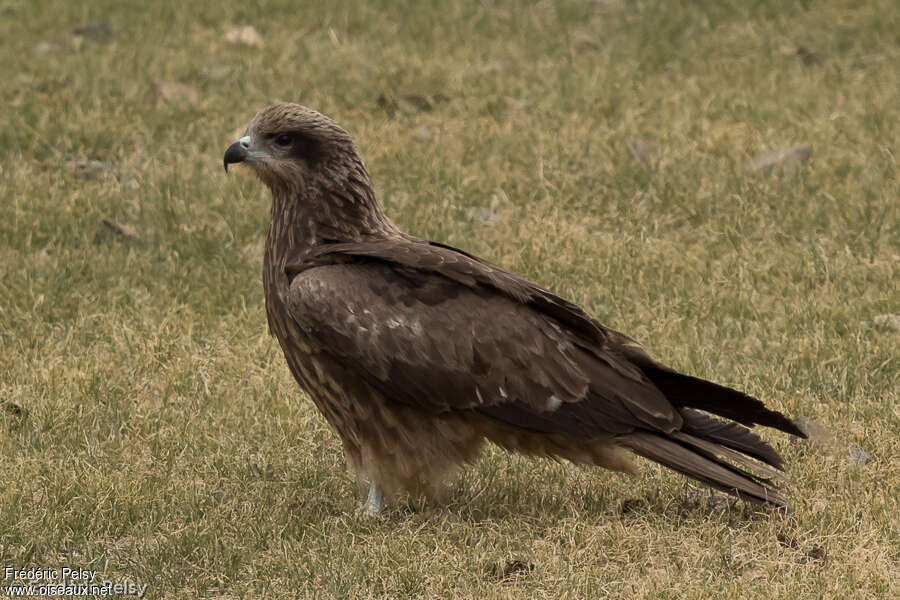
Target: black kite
[417, 352]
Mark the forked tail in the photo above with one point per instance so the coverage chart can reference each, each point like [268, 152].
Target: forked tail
[725, 455]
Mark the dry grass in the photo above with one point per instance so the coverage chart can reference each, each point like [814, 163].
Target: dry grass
[151, 429]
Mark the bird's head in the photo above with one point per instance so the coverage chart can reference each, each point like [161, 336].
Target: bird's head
[288, 145]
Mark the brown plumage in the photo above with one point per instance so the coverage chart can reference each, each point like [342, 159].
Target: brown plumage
[416, 352]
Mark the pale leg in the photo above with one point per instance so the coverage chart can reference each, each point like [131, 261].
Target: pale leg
[374, 502]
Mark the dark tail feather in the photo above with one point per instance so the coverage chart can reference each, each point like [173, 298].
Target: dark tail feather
[702, 460]
[684, 390]
[731, 435]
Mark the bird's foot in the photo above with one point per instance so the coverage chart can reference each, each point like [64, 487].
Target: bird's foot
[374, 502]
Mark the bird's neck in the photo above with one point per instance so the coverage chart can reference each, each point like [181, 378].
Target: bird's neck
[312, 215]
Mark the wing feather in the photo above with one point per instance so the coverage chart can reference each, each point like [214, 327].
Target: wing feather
[436, 343]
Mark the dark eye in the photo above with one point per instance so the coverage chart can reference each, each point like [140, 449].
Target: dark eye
[284, 139]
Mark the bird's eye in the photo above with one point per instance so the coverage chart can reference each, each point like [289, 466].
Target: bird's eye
[284, 139]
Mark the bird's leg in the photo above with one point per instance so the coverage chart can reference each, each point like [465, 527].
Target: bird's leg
[374, 502]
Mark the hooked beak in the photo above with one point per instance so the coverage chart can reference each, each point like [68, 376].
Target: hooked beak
[237, 152]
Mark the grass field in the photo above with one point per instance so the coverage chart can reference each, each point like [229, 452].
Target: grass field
[151, 431]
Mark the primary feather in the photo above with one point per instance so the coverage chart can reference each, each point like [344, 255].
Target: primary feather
[416, 352]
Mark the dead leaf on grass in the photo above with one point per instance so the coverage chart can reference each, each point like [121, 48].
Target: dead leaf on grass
[409, 103]
[887, 322]
[816, 433]
[108, 231]
[172, 92]
[245, 35]
[42, 48]
[422, 133]
[646, 153]
[53, 85]
[784, 160]
[102, 32]
[810, 56]
[857, 457]
[483, 214]
[88, 169]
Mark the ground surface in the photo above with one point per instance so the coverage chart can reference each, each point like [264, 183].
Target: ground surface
[151, 430]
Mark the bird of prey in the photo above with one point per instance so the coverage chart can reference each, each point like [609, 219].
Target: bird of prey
[417, 353]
